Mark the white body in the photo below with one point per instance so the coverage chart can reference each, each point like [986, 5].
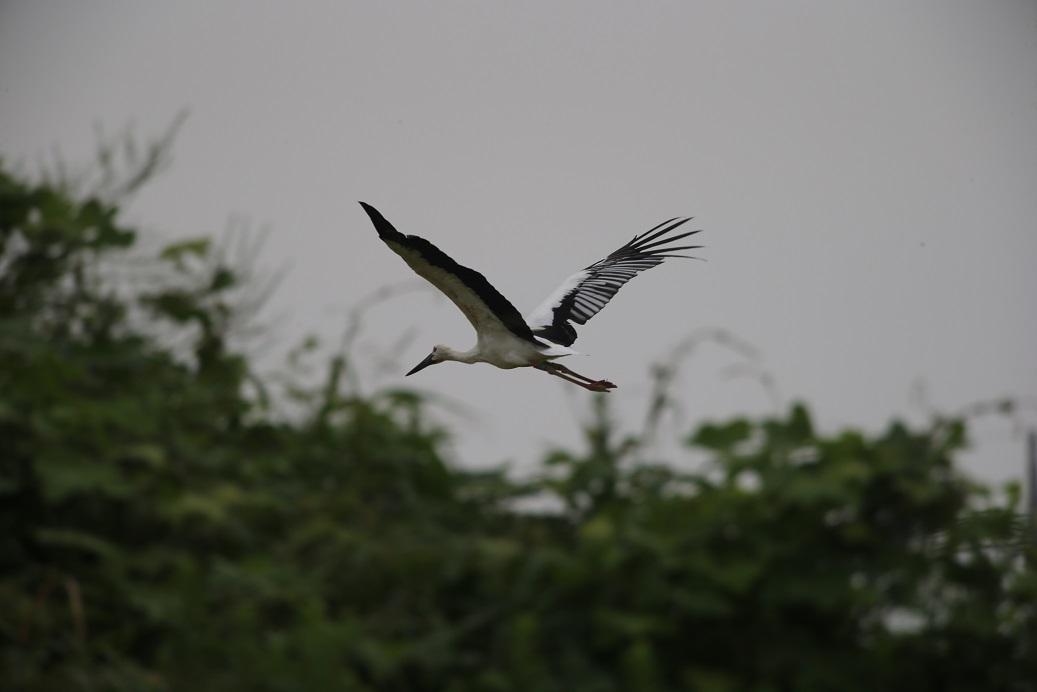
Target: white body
[507, 351]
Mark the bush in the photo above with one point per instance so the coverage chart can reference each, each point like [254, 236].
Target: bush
[165, 529]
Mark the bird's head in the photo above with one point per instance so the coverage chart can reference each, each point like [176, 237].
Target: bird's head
[438, 355]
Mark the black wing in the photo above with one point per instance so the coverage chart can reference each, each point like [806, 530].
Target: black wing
[481, 303]
[586, 292]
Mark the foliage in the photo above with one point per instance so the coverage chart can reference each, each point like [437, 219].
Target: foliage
[163, 529]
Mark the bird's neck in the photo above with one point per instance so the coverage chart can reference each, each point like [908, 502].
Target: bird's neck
[461, 356]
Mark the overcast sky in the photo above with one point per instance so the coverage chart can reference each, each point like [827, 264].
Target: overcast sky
[865, 174]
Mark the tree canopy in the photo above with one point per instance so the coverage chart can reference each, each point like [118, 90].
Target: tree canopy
[165, 528]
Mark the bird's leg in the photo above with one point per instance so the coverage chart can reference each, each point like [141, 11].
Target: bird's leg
[567, 371]
[569, 376]
[586, 385]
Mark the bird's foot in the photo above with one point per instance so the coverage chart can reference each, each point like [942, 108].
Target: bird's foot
[601, 386]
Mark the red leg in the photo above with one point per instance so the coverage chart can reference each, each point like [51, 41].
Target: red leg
[569, 376]
[603, 383]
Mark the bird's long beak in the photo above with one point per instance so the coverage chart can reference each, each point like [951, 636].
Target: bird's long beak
[421, 366]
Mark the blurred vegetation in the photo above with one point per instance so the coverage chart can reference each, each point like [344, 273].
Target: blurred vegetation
[164, 528]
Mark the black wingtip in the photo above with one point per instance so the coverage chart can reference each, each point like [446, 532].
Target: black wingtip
[384, 228]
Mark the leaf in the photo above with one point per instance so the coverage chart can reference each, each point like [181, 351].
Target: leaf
[178, 252]
[70, 477]
[77, 540]
[222, 279]
[721, 436]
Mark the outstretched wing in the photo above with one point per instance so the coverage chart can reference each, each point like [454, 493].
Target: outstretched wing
[481, 303]
[585, 293]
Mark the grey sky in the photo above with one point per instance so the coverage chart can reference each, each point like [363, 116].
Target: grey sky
[866, 175]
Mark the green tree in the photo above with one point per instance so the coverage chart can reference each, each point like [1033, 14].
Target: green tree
[164, 528]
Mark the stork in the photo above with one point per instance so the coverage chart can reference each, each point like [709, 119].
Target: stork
[505, 338]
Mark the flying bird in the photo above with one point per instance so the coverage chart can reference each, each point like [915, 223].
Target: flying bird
[505, 338]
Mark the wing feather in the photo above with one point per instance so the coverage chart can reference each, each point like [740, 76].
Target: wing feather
[588, 291]
[481, 303]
